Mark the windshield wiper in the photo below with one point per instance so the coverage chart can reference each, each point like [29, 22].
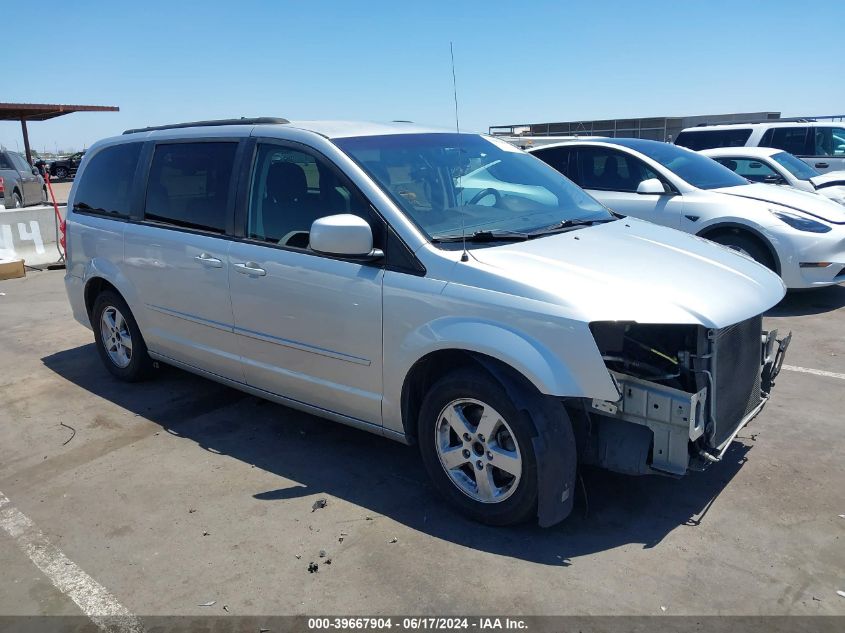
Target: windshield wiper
[566, 225]
[484, 236]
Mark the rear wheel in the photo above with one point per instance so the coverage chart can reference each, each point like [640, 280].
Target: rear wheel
[747, 245]
[17, 202]
[477, 448]
[119, 341]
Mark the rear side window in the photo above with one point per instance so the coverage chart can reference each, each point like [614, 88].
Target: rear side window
[106, 183]
[20, 163]
[4, 162]
[708, 139]
[561, 158]
[753, 170]
[189, 185]
[610, 170]
[789, 139]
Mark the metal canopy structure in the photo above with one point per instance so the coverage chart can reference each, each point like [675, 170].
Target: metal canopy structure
[24, 112]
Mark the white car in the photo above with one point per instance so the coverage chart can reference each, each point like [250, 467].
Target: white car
[820, 144]
[776, 167]
[799, 235]
[343, 269]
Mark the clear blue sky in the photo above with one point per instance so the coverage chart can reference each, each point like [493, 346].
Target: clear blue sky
[516, 61]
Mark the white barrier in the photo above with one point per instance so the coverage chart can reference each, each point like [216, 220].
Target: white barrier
[29, 234]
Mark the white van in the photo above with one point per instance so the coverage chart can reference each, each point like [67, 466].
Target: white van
[820, 144]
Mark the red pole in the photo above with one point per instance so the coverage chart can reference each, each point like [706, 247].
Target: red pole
[59, 221]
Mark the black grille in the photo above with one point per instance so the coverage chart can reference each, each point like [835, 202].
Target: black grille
[737, 355]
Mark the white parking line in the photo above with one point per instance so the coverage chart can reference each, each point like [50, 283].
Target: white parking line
[815, 372]
[91, 597]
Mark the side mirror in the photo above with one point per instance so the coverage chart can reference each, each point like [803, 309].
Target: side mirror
[651, 186]
[343, 235]
[774, 180]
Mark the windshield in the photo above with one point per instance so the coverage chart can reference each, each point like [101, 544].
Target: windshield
[450, 184]
[795, 166]
[697, 170]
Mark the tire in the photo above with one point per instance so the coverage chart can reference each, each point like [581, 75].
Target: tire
[17, 202]
[114, 326]
[61, 173]
[500, 497]
[748, 245]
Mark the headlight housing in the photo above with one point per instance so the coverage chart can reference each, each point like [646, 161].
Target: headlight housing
[799, 222]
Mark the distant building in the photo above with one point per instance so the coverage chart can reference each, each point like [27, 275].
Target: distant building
[654, 128]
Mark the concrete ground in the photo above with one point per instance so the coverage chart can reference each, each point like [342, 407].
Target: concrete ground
[178, 492]
[61, 189]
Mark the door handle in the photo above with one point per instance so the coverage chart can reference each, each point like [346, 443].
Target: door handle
[822, 165]
[250, 268]
[207, 260]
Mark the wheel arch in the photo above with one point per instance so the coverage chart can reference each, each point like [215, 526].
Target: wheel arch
[93, 288]
[722, 228]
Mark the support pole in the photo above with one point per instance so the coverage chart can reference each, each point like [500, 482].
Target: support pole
[26, 149]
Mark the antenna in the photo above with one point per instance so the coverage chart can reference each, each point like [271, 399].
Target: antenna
[465, 254]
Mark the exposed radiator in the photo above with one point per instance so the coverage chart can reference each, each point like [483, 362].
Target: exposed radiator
[736, 368]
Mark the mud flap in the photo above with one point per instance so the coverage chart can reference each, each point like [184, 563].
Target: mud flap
[557, 461]
[554, 447]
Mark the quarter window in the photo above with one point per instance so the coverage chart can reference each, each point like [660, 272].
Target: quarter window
[106, 183]
[290, 189]
[189, 185]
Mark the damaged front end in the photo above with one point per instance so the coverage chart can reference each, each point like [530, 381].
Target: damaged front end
[685, 391]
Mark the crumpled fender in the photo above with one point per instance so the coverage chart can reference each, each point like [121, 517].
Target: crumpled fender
[554, 447]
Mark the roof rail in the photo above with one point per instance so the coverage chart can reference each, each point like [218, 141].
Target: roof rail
[784, 120]
[219, 122]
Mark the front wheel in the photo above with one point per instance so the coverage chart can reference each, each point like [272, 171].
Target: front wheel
[119, 341]
[477, 448]
[748, 246]
[61, 173]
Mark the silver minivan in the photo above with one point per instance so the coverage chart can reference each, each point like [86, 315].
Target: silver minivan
[514, 332]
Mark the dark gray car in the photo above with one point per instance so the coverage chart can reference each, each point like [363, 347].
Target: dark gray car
[20, 183]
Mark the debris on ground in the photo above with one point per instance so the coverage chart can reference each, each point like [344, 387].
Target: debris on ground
[842, 516]
[322, 553]
[662, 608]
[312, 567]
[206, 533]
[226, 608]
[368, 518]
[328, 561]
[208, 604]
[298, 556]
[72, 435]
[841, 593]
[191, 510]
[340, 539]
[393, 540]
[319, 504]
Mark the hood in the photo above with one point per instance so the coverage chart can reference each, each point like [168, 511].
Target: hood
[828, 179]
[630, 270]
[804, 201]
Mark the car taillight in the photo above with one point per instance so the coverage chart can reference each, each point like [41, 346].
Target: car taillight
[2, 185]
